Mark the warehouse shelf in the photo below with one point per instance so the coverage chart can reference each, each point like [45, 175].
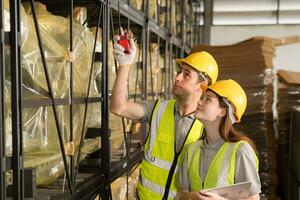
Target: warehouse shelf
[65, 113]
[160, 31]
[132, 14]
[90, 184]
[65, 101]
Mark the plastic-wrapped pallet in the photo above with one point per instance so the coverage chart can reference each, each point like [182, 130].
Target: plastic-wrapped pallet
[40, 140]
[153, 8]
[119, 186]
[40, 9]
[24, 23]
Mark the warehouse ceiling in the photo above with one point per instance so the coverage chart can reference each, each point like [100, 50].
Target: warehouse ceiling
[256, 12]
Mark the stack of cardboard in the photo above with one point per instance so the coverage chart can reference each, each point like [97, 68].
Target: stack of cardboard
[250, 63]
[288, 97]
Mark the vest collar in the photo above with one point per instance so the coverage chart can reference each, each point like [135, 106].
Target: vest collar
[216, 145]
[177, 112]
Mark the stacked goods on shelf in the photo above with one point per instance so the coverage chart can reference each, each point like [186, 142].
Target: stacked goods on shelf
[123, 184]
[135, 76]
[115, 122]
[288, 97]
[58, 57]
[40, 138]
[250, 64]
[138, 4]
[160, 12]
[41, 146]
[155, 62]
[189, 26]
[294, 163]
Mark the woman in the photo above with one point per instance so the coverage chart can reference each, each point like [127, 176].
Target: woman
[222, 156]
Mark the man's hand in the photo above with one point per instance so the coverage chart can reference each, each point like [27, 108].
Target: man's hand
[124, 58]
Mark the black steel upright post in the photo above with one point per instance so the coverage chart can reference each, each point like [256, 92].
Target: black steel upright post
[159, 90]
[195, 23]
[82, 135]
[182, 28]
[191, 25]
[16, 101]
[171, 44]
[145, 51]
[71, 166]
[144, 45]
[105, 145]
[169, 50]
[51, 95]
[170, 57]
[165, 62]
[147, 65]
[2, 108]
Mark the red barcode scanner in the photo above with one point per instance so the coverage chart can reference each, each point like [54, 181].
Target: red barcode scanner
[124, 41]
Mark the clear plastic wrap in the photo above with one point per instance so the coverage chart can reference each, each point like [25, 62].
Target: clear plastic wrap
[138, 4]
[40, 140]
[112, 69]
[40, 9]
[80, 15]
[119, 186]
[24, 22]
[116, 127]
[153, 8]
[155, 62]
[135, 76]
[48, 165]
[55, 37]
[162, 6]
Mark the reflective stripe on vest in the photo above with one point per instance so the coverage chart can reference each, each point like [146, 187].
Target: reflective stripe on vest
[221, 170]
[156, 188]
[159, 152]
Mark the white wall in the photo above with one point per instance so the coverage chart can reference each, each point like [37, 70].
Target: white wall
[287, 57]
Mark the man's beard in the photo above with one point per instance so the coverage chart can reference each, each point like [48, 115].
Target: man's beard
[179, 94]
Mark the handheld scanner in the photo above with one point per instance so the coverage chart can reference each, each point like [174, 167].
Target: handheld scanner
[124, 41]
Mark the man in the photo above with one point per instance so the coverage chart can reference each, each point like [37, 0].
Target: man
[172, 123]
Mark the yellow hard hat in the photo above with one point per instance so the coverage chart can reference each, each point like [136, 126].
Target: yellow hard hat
[234, 93]
[202, 62]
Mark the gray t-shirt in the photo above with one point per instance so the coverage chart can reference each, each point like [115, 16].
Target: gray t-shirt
[182, 123]
[245, 169]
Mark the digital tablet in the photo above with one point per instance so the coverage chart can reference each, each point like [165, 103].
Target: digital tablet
[235, 191]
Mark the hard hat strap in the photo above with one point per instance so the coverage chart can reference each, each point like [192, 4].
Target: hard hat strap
[204, 77]
[230, 110]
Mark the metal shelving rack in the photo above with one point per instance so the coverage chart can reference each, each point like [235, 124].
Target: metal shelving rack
[92, 176]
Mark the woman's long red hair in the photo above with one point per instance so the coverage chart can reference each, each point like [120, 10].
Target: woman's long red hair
[227, 132]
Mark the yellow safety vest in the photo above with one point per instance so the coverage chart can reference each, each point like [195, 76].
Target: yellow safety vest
[221, 170]
[160, 163]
